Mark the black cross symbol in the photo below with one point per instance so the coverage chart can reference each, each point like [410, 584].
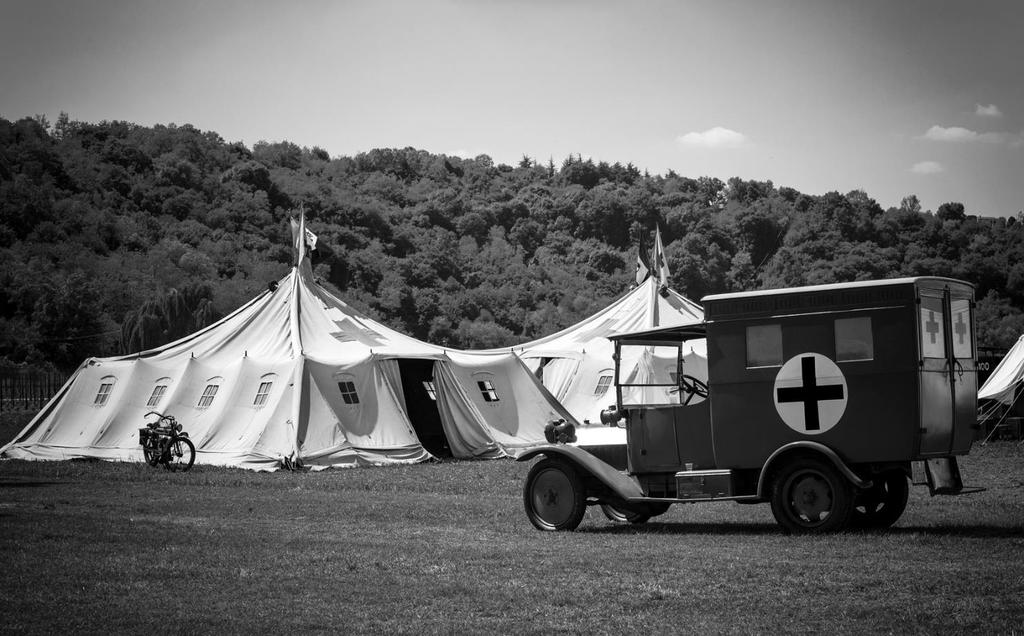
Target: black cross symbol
[810, 393]
[932, 326]
[960, 328]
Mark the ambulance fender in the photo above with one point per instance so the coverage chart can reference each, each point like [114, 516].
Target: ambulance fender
[804, 448]
[623, 485]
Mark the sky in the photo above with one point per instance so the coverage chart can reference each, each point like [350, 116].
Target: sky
[896, 98]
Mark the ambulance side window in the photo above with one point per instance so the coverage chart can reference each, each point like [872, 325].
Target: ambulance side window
[854, 340]
[764, 346]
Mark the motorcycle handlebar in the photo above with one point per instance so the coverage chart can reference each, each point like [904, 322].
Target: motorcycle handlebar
[169, 418]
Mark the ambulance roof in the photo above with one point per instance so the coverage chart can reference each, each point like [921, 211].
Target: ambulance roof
[861, 295]
[835, 287]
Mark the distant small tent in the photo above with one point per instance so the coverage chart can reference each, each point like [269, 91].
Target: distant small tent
[297, 377]
[1002, 395]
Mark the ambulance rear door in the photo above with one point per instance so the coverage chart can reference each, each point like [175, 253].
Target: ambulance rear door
[948, 383]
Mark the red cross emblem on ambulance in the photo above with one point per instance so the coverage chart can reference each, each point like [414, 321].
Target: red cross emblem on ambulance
[810, 393]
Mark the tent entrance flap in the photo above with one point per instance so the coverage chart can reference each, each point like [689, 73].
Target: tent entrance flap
[420, 395]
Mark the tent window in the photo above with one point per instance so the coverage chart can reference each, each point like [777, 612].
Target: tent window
[104, 393]
[262, 393]
[156, 395]
[428, 386]
[348, 392]
[209, 393]
[487, 390]
[603, 383]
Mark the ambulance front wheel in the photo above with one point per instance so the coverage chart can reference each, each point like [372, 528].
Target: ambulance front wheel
[810, 496]
[554, 495]
[882, 504]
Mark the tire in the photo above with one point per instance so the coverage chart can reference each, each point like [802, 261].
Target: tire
[810, 496]
[152, 455]
[881, 505]
[554, 495]
[624, 515]
[181, 453]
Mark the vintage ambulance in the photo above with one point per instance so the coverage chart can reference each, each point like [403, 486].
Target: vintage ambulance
[824, 401]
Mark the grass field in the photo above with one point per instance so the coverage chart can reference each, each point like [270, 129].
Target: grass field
[447, 548]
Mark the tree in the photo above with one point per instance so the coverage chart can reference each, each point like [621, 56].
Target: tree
[999, 323]
[910, 204]
[456, 249]
[69, 322]
[168, 317]
[951, 212]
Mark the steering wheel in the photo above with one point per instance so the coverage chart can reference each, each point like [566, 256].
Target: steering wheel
[692, 387]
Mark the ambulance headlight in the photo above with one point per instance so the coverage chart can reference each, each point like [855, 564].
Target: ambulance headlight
[610, 416]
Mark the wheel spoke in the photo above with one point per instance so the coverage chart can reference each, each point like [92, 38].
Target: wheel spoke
[883, 503]
[871, 502]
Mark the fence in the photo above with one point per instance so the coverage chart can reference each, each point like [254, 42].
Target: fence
[28, 390]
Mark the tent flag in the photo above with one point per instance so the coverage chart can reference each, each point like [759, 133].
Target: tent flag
[660, 262]
[643, 263]
[299, 229]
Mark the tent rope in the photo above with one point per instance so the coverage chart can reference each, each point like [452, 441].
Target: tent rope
[1002, 418]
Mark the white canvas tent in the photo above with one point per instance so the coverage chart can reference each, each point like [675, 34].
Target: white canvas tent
[1004, 384]
[297, 377]
[576, 363]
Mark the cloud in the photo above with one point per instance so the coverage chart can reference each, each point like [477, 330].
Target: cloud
[987, 111]
[953, 134]
[957, 134]
[716, 137]
[927, 167]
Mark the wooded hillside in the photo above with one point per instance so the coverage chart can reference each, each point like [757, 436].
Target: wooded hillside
[116, 237]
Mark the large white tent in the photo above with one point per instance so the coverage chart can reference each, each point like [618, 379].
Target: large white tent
[297, 377]
[576, 363]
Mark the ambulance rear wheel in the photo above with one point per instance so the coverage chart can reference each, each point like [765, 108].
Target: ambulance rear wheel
[554, 495]
[810, 496]
[882, 504]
